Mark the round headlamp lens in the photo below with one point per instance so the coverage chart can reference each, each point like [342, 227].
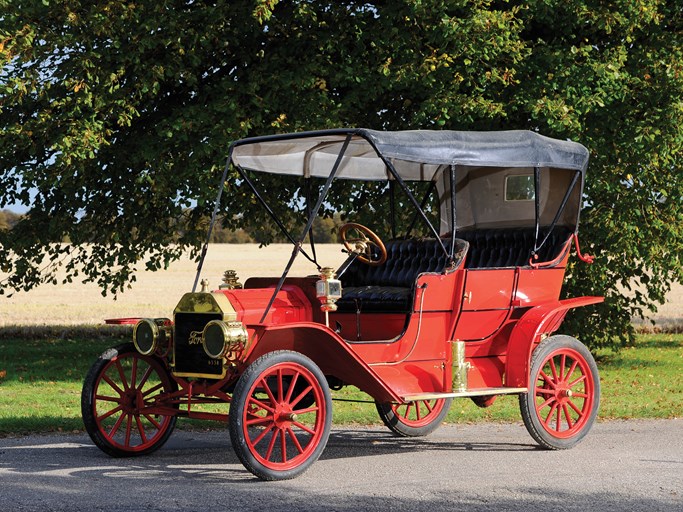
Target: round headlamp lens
[146, 336]
[214, 339]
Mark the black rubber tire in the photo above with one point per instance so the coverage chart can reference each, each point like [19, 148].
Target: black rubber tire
[418, 427]
[575, 395]
[106, 441]
[267, 416]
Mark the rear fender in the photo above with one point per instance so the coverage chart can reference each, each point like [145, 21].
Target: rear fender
[538, 321]
[327, 350]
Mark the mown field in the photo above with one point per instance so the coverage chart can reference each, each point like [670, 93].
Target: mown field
[155, 294]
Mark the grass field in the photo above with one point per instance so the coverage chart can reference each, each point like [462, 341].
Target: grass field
[41, 381]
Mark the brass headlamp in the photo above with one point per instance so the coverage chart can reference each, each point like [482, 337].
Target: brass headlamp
[220, 338]
[149, 333]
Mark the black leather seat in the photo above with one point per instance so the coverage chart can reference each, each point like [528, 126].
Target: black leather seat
[389, 287]
[492, 248]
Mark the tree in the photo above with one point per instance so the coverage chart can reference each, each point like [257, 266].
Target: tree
[120, 115]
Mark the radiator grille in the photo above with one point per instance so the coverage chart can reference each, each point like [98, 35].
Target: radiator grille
[189, 356]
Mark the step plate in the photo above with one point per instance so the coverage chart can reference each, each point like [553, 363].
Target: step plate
[468, 393]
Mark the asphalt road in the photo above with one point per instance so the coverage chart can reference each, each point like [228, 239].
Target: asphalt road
[634, 466]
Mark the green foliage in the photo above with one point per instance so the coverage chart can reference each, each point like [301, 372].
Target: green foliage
[119, 115]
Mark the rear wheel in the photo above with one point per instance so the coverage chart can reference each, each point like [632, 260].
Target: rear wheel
[414, 419]
[117, 393]
[280, 415]
[564, 393]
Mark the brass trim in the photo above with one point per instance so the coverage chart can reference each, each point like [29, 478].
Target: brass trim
[155, 336]
[206, 303]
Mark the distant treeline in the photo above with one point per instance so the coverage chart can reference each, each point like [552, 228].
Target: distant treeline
[324, 231]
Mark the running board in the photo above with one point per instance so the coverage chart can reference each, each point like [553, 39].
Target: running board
[468, 393]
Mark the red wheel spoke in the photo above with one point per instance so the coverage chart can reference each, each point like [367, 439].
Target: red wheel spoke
[571, 370]
[579, 395]
[429, 406]
[271, 444]
[263, 434]
[300, 396]
[563, 363]
[259, 420]
[151, 390]
[265, 386]
[558, 419]
[575, 382]
[292, 385]
[134, 373]
[117, 425]
[113, 384]
[141, 429]
[553, 368]
[260, 405]
[304, 427]
[129, 429]
[153, 421]
[553, 408]
[108, 413]
[545, 391]
[573, 406]
[546, 403]
[292, 436]
[280, 388]
[283, 445]
[567, 416]
[105, 398]
[313, 408]
[406, 414]
[547, 379]
[122, 375]
[143, 379]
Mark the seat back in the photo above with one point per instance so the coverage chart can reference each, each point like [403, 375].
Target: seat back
[490, 248]
[406, 259]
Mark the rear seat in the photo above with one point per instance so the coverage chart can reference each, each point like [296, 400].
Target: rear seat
[389, 287]
[492, 248]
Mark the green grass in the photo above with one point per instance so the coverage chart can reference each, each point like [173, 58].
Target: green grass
[41, 378]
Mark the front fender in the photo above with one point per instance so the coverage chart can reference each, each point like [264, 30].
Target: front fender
[527, 333]
[326, 349]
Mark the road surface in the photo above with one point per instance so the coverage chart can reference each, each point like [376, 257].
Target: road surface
[621, 465]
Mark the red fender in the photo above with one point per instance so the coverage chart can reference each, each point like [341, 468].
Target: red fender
[327, 350]
[539, 320]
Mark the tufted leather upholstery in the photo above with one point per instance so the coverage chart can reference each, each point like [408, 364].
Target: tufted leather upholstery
[491, 248]
[389, 287]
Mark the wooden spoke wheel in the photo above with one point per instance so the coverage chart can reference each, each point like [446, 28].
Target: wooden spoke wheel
[564, 393]
[414, 419]
[118, 399]
[361, 240]
[280, 415]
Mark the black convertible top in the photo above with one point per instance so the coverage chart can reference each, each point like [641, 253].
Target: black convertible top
[415, 154]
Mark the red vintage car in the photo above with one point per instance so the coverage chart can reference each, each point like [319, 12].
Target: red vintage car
[458, 298]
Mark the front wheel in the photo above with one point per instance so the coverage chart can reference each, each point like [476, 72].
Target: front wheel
[280, 415]
[564, 393]
[414, 419]
[118, 399]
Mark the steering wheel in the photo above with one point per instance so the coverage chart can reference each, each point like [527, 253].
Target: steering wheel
[360, 240]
